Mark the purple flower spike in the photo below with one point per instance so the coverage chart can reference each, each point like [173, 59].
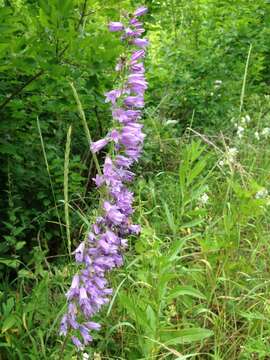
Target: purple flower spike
[116, 26]
[102, 251]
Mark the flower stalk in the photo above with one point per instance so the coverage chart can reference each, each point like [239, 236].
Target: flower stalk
[103, 250]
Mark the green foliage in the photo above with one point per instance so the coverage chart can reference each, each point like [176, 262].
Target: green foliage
[40, 43]
[195, 284]
[197, 44]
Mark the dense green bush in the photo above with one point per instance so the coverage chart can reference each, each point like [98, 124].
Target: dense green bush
[199, 53]
[40, 44]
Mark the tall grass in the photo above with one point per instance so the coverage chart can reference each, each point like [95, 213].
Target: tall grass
[195, 284]
[66, 170]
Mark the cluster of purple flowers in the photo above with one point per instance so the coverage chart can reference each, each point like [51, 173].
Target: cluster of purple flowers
[102, 251]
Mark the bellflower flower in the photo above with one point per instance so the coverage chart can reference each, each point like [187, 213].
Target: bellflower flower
[98, 145]
[141, 11]
[112, 96]
[141, 42]
[134, 101]
[137, 55]
[101, 252]
[116, 26]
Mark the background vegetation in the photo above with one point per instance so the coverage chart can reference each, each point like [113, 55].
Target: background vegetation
[195, 285]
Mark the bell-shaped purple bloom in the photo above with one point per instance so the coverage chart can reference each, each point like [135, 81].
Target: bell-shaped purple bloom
[77, 342]
[134, 153]
[79, 252]
[141, 11]
[113, 213]
[129, 32]
[98, 145]
[74, 289]
[135, 229]
[91, 325]
[142, 43]
[116, 26]
[99, 180]
[113, 95]
[137, 55]
[137, 67]
[114, 135]
[134, 101]
[137, 83]
[87, 338]
[64, 325]
[123, 161]
[83, 296]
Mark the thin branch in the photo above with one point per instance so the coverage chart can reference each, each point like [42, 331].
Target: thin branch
[83, 14]
[20, 89]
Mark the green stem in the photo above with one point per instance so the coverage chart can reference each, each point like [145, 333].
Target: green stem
[61, 356]
[86, 129]
[244, 81]
[49, 175]
[66, 170]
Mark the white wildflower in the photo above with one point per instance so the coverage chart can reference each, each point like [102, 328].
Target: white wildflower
[240, 131]
[248, 119]
[85, 356]
[232, 152]
[266, 132]
[204, 199]
[261, 194]
[243, 120]
[231, 155]
[257, 135]
[221, 163]
[217, 84]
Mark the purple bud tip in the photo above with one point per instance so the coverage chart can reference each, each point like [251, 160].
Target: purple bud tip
[141, 11]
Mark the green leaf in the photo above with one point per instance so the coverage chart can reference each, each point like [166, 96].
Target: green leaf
[26, 274]
[8, 323]
[10, 262]
[170, 218]
[185, 336]
[197, 169]
[185, 290]
[151, 317]
[192, 223]
[178, 244]
[20, 245]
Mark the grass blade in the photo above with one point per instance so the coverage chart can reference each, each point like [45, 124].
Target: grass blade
[66, 171]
